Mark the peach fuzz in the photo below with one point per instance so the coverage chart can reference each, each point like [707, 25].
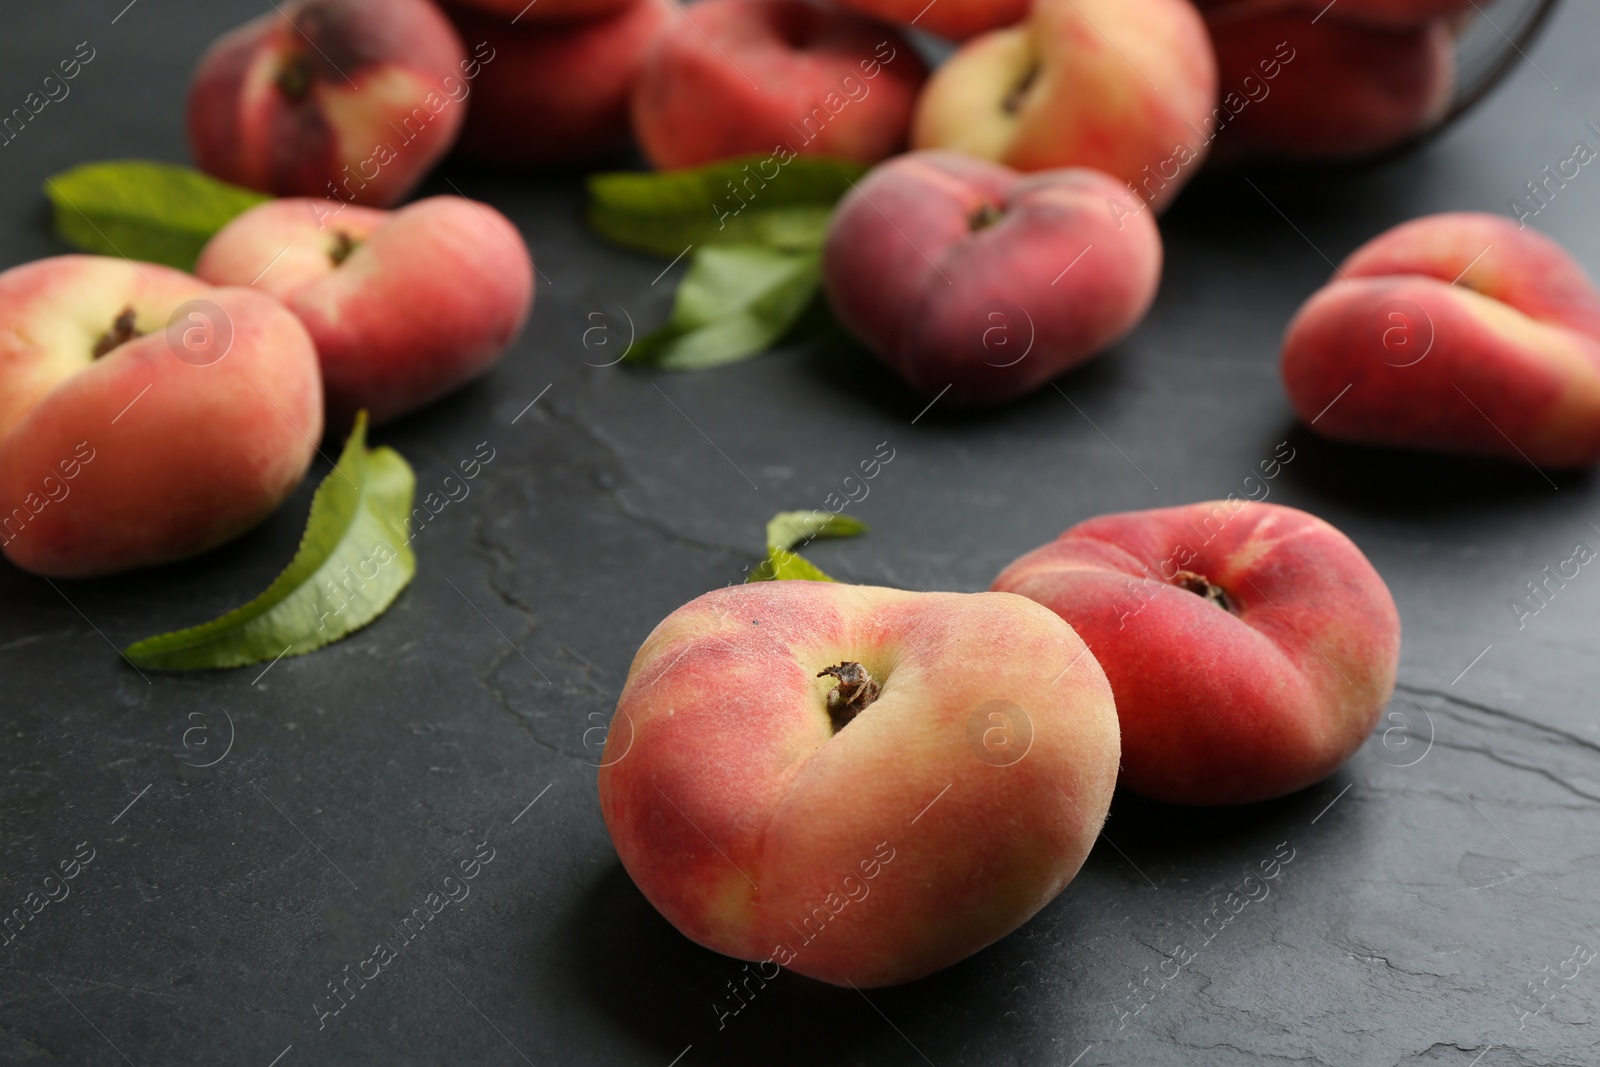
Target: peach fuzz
[938, 820]
[1349, 90]
[132, 435]
[961, 274]
[749, 77]
[1454, 333]
[1121, 86]
[349, 98]
[556, 92]
[404, 306]
[955, 20]
[1251, 647]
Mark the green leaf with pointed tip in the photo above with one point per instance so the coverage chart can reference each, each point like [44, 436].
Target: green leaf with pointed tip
[783, 565]
[354, 559]
[791, 529]
[155, 212]
[735, 303]
[757, 200]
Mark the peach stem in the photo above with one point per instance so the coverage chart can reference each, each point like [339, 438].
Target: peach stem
[855, 691]
[343, 245]
[1201, 586]
[121, 332]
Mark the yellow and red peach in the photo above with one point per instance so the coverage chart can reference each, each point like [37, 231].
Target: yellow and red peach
[556, 92]
[144, 415]
[745, 77]
[1122, 86]
[953, 19]
[404, 305]
[965, 276]
[1350, 88]
[1454, 333]
[775, 805]
[1251, 647]
[353, 99]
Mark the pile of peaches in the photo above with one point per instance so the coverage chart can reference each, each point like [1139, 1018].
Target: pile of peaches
[861, 784]
[149, 414]
[776, 739]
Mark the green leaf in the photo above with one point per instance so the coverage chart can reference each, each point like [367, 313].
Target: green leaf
[734, 303]
[757, 200]
[784, 566]
[791, 529]
[156, 212]
[354, 559]
[756, 227]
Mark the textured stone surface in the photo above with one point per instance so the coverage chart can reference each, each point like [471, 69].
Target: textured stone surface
[221, 903]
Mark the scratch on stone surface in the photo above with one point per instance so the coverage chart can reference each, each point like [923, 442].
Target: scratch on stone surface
[1253, 1055]
[1542, 772]
[505, 705]
[502, 554]
[589, 670]
[620, 461]
[93, 983]
[1367, 954]
[1500, 713]
[1512, 877]
[675, 536]
[499, 556]
[556, 412]
[475, 533]
[224, 1006]
[626, 462]
[25, 1039]
[23, 642]
[1453, 1046]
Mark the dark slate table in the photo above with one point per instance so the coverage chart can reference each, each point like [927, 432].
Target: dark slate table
[252, 835]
